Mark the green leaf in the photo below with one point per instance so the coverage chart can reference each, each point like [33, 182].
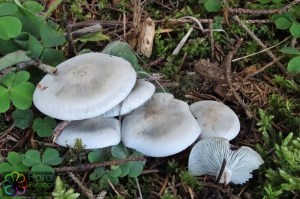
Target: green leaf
[136, 169]
[33, 6]
[51, 157]
[5, 167]
[97, 36]
[22, 40]
[213, 5]
[20, 77]
[14, 158]
[115, 171]
[22, 118]
[295, 30]
[13, 58]
[294, 65]
[52, 57]
[125, 169]
[7, 8]
[21, 95]
[10, 47]
[97, 156]
[8, 79]
[4, 99]
[44, 127]
[42, 168]
[10, 27]
[282, 23]
[31, 157]
[290, 50]
[51, 37]
[119, 151]
[97, 173]
[35, 47]
[103, 182]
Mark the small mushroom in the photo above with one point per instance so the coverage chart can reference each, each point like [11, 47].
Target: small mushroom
[141, 92]
[94, 133]
[209, 154]
[85, 86]
[216, 119]
[163, 126]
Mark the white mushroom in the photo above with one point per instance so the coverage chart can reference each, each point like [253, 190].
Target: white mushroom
[85, 86]
[141, 92]
[216, 119]
[207, 156]
[163, 126]
[94, 133]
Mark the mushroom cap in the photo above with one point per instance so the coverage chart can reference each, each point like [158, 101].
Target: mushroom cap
[85, 86]
[216, 119]
[163, 126]
[141, 92]
[207, 156]
[94, 133]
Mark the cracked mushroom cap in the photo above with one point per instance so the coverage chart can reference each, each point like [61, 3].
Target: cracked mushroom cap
[94, 133]
[141, 92]
[85, 86]
[163, 126]
[207, 156]
[216, 119]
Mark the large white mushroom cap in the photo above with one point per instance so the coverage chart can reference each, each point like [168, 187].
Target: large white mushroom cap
[85, 86]
[216, 119]
[207, 156]
[94, 133]
[163, 126]
[141, 92]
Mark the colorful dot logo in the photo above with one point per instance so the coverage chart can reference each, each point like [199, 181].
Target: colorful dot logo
[14, 184]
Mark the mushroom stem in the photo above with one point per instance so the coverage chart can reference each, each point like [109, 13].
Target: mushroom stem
[221, 171]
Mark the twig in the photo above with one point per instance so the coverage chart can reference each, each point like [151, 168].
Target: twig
[263, 12]
[113, 187]
[58, 129]
[139, 188]
[87, 167]
[212, 42]
[259, 42]
[36, 63]
[237, 59]
[89, 194]
[221, 171]
[86, 30]
[227, 65]
[182, 42]
[262, 69]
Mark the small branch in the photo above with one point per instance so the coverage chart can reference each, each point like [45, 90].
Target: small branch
[227, 65]
[87, 167]
[259, 42]
[139, 188]
[89, 194]
[86, 30]
[58, 129]
[263, 12]
[36, 63]
[221, 171]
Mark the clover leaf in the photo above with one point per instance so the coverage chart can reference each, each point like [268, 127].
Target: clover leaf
[10, 27]
[33, 159]
[119, 151]
[14, 163]
[44, 127]
[15, 88]
[22, 118]
[98, 155]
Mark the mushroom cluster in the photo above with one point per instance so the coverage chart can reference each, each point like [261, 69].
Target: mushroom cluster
[91, 89]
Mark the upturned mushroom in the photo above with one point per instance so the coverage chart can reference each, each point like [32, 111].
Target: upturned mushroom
[141, 92]
[94, 133]
[85, 86]
[163, 126]
[216, 119]
[208, 156]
